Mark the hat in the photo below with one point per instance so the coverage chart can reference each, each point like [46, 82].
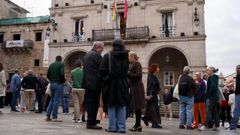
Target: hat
[238, 66]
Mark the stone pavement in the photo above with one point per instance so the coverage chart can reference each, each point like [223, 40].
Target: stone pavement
[12, 123]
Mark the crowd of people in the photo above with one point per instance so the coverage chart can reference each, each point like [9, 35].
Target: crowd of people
[112, 85]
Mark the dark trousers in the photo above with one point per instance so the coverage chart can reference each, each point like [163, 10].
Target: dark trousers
[225, 114]
[8, 98]
[92, 102]
[15, 96]
[39, 98]
[138, 114]
[213, 113]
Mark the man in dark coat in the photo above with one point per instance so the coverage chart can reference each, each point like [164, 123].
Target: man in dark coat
[91, 64]
[115, 67]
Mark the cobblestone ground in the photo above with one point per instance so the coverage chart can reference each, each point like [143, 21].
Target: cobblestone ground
[12, 123]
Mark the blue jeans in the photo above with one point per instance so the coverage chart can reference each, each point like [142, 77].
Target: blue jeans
[186, 105]
[56, 96]
[15, 96]
[65, 103]
[117, 118]
[236, 113]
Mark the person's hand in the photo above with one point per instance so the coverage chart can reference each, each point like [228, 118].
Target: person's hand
[148, 97]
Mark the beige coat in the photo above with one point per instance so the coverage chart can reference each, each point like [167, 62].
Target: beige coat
[3, 84]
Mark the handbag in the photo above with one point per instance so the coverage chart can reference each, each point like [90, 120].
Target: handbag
[175, 91]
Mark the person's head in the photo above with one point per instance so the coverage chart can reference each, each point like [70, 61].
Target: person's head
[186, 70]
[59, 58]
[78, 63]
[211, 70]
[16, 71]
[30, 72]
[118, 45]
[154, 68]
[98, 46]
[166, 91]
[238, 69]
[1, 67]
[132, 56]
[198, 75]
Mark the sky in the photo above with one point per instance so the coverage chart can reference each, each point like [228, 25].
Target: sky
[222, 26]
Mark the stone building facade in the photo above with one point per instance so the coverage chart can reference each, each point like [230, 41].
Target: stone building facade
[168, 32]
[8, 9]
[22, 44]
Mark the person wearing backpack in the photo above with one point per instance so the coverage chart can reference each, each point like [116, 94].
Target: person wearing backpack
[186, 93]
[167, 101]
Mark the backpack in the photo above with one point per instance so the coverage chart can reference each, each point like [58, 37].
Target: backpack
[67, 88]
[167, 99]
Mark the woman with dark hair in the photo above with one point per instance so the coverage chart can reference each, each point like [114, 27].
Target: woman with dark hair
[152, 113]
[136, 89]
[114, 69]
[3, 85]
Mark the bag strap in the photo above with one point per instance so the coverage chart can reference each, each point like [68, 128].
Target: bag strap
[109, 60]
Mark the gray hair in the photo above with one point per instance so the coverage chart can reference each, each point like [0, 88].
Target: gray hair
[215, 70]
[97, 44]
[186, 70]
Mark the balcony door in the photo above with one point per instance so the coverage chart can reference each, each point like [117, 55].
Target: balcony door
[120, 26]
[167, 28]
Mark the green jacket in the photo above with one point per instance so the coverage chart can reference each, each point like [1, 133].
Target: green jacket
[77, 77]
[56, 73]
[212, 88]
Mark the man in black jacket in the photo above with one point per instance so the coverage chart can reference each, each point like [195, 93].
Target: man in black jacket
[236, 113]
[91, 65]
[29, 83]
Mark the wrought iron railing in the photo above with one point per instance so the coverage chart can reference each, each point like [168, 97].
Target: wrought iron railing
[78, 37]
[167, 31]
[124, 33]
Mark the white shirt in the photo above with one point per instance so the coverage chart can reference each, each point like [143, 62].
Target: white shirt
[231, 102]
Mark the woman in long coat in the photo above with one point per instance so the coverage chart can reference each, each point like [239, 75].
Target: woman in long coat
[114, 69]
[136, 89]
[152, 113]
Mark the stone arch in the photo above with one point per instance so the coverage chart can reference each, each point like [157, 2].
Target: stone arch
[171, 61]
[70, 58]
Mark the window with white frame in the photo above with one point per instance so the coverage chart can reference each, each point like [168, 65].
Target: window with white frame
[169, 78]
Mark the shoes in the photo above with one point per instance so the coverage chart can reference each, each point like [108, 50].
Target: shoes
[190, 128]
[94, 127]
[123, 132]
[230, 129]
[48, 119]
[15, 111]
[83, 118]
[156, 126]
[38, 112]
[107, 130]
[1, 112]
[136, 129]
[56, 120]
[181, 127]
[145, 121]
[98, 121]
[202, 128]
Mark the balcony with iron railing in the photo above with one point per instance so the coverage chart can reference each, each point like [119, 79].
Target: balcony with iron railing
[17, 45]
[167, 31]
[134, 33]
